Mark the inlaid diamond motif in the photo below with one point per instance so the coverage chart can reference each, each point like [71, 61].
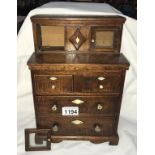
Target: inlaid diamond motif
[77, 101]
[77, 39]
[101, 78]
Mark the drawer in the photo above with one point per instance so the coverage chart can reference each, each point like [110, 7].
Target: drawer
[99, 83]
[52, 84]
[78, 126]
[87, 105]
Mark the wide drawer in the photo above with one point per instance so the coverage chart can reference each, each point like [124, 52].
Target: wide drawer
[78, 126]
[87, 105]
[98, 83]
[53, 84]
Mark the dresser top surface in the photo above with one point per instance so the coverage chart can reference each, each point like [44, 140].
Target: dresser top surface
[78, 58]
[79, 17]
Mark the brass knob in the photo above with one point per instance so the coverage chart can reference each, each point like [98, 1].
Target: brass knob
[53, 86]
[54, 107]
[49, 139]
[99, 107]
[97, 128]
[55, 127]
[101, 86]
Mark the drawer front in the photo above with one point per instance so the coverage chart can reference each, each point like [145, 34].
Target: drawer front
[78, 126]
[87, 105]
[53, 84]
[101, 83]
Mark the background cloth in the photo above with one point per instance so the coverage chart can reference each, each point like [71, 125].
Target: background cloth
[26, 117]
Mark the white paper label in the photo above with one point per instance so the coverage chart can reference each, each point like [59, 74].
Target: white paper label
[70, 111]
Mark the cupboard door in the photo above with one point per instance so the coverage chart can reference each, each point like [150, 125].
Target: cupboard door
[52, 37]
[106, 39]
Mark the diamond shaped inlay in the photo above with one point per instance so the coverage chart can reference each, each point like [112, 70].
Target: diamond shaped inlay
[77, 122]
[77, 101]
[101, 78]
[77, 39]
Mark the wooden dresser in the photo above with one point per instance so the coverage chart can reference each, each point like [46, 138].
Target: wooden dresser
[78, 76]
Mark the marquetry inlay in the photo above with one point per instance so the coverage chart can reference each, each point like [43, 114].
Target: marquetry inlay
[77, 39]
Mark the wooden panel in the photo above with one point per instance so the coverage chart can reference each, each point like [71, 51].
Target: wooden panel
[86, 128]
[52, 35]
[85, 31]
[48, 105]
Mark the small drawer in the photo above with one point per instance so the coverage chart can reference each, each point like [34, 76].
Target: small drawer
[88, 105]
[101, 83]
[53, 84]
[78, 126]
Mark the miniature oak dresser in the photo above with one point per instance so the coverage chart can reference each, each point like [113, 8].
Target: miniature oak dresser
[78, 75]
